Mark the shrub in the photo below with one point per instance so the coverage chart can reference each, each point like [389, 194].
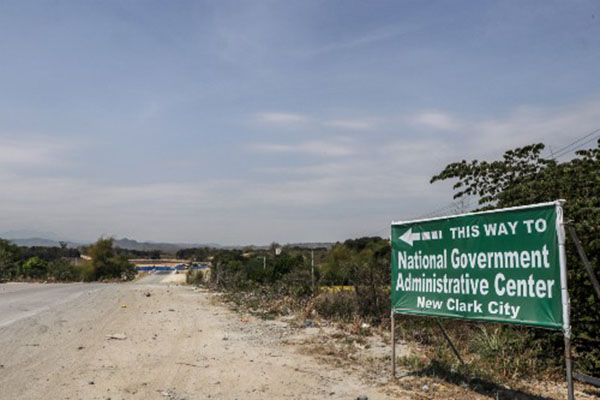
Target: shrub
[9, 255]
[298, 283]
[63, 271]
[106, 264]
[340, 305]
[35, 268]
[507, 351]
[197, 277]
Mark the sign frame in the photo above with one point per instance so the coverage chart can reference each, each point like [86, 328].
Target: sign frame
[562, 263]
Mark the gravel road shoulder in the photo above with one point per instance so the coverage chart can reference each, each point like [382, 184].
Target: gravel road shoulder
[168, 342]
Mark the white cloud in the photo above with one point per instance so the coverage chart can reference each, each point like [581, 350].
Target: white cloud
[553, 126]
[340, 185]
[436, 120]
[364, 39]
[353, 124]
[327, 148]
[281, 118]
[182, 211]
[492, 136]
[29, 151]
[338, 167]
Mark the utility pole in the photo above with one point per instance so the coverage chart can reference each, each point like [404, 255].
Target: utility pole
[264, 262]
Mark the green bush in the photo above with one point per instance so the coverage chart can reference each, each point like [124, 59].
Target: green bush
[52, 263]
[196, 277]
[63, 271]
[298, 282]
[507, 350]
[340, 305]
[35, 268]
[106, 264]
[363, 263]
[9, 256]
[86, 272]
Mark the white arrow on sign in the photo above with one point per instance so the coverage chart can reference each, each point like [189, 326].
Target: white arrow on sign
[409, 237]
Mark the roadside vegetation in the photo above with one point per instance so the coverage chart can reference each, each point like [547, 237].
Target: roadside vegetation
[523, 177]
[351, 282]
[63, 264]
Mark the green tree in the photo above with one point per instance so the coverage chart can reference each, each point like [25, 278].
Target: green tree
[107, 264]
[338, 268]
[358, 261]
[35, 267]
[195, 254]
[284, 264]
[9, 256]
[62, 271]
[363, 263]
[524, 177]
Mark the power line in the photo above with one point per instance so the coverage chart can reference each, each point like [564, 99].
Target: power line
[569, 147]
[445, 208]
[578, 140]
[572, 146]
[439, 210]
[465, 206]
[459, 207]
[579, 146]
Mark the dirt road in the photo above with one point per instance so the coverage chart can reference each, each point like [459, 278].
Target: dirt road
[169, 342]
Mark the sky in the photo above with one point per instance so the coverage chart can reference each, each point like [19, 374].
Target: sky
[247, 122]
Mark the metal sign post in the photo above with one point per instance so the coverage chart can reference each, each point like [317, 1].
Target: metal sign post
[393, 346]
[566, 304]
[584, 259]
[456, 353]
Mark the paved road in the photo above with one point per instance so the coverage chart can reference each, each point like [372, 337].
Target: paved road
[23, 300]
[174, 342]
[156, 277]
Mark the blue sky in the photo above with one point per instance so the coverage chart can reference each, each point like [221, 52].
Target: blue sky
[258, 121]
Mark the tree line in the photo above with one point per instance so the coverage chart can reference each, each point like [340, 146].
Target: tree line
[62, 264]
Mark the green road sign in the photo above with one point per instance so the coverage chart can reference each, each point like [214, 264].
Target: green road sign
[504, 265]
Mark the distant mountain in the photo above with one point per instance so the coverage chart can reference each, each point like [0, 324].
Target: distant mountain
[127, 244]
[312, 245]
[301, 245]
[40, 242]
[27, 233]
[131, 244]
